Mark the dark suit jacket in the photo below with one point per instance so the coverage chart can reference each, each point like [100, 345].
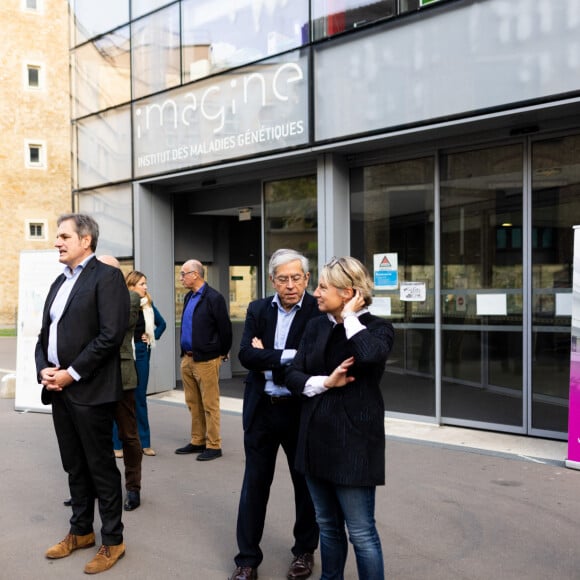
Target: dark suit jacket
[211, 328]
[342, 432]
[89, 335]
[261, 322]
[128, 368]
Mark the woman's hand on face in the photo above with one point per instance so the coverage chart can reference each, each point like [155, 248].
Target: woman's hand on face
[338, 376]
[355, 304]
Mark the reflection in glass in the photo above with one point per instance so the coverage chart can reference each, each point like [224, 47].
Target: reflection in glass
[222, 35]
[91, 18]
[156, 52]
[112, 208]
[104, 148]
[331, 17]
[141, 7]
[243, 290]
[101, 73]
[249, 110]
[290, 220]
[555, 210]
[392, 212]
[481, 258]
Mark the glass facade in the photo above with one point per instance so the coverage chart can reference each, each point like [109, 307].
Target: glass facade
[217, 36]
[91, 19]
[487, 347]
[482, 284]
[104, 148]
[310, 115]
[141, 7]
[392, 209]
[155, 50]
[556, 209]
[291, 221]
[112, 207]
[101, 73]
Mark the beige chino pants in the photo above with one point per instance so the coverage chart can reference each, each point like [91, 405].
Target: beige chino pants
[202, 397]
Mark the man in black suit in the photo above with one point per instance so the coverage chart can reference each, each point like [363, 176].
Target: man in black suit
[271, 415]
[78, 363]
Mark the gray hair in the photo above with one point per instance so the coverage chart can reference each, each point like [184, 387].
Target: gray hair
[85, 225]
[284, 256]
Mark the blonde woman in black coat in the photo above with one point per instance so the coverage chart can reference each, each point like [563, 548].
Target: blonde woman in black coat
[341, 447]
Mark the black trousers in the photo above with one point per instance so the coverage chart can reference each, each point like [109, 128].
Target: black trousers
[274, 425]
[84, 435]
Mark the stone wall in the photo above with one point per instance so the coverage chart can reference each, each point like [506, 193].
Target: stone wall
[38, 38]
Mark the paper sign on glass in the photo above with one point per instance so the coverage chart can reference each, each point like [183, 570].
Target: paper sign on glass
[563, 304]
[380, 306]
[491, 304]
[386, 276]
[413, 291]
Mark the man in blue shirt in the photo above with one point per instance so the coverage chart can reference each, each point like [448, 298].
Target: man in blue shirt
[206, 339]
[272, 332]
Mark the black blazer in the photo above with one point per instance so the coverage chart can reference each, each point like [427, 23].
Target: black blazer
[212, 328]
[342, 431]
[90, 333]
[261, 320]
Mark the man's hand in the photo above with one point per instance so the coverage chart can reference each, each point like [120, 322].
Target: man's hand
[257, 342]
[55, 379]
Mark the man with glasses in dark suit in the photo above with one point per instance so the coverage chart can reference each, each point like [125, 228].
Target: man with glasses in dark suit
[271, 415]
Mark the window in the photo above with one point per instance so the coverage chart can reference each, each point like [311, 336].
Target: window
[155, 43]
[221, 35]
[32, 5]
[35, 154]
[332, 17]
[33, 76]
[101, 75]
[36, 230]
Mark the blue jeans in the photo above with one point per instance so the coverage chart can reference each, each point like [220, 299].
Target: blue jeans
[337, 505]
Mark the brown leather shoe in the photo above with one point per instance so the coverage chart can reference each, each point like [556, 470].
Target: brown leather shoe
[244, 573]
[106, 557]
[71, 543]
[301, 566]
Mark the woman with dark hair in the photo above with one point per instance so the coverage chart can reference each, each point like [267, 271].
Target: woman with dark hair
[341, 446]
[149, 328]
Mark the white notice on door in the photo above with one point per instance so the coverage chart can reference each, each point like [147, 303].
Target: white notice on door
[491, 304]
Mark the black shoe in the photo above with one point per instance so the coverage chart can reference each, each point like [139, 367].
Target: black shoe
[244, 573]
[133, 501]
[67, 502]
[209, 454]
[301, 567]
[189, 448]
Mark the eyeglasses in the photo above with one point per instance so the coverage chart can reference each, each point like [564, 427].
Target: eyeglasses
[285, 279]
[184, 274]
[337, 262]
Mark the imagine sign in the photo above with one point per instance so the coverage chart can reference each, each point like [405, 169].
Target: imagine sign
[251, 110]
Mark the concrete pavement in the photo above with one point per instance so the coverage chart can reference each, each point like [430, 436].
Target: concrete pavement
[459, 504]
[447, 512]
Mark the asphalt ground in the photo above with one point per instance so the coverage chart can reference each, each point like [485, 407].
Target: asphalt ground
[454, 508]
